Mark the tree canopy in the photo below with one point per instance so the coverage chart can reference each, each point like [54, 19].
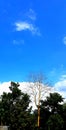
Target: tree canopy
[16, 113]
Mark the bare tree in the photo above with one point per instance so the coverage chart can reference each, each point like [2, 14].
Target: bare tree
[39, 88]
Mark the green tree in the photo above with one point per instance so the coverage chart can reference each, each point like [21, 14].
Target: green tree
[15, 106]
[55, 122]
[5, 108]
[64, 115]
[51, 108]
[53, 102]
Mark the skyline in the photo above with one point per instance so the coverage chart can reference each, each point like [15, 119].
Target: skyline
[32, 39]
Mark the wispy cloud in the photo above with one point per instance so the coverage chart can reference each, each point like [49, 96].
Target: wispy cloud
[63, 77]
[28, 24]
[64, 40]
[31, 14]
[23, 26]
[18, 42]
[52, 72]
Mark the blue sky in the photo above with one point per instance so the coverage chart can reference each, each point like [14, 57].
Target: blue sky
[32, 39]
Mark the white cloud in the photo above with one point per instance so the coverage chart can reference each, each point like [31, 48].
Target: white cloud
[4, 87]
[64, 40]
[23, 26]
[60, 86]
[28, 24]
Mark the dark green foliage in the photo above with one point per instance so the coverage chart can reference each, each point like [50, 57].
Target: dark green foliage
[52, 102]
[15, 111]
[64, 116]
[44, 115]
[55, 122]
[51, 112]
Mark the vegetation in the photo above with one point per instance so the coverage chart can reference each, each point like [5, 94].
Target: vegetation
[15, 111]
